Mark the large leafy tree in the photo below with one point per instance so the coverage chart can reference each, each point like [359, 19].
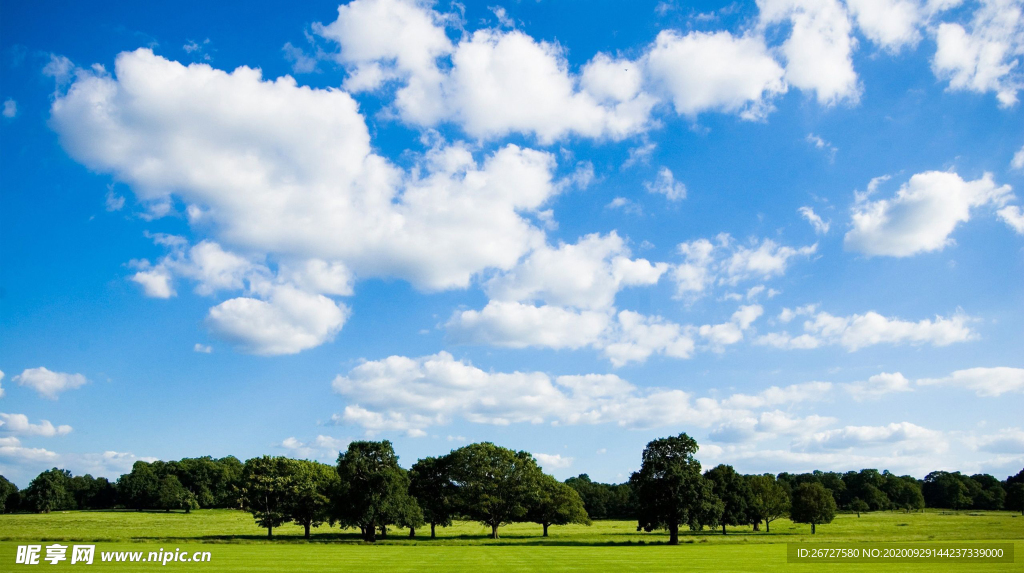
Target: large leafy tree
[431, 485]
[495, 485]
[138, 488]
[904, 492]
[602, 500]
[732, 489]
[310, 488]
[8, 491]
[374, 488]
[555, 503]
[814, 504]
[1015, 497]
[768, 500]
[172, 495]
[50, 491]
[669, 489]
[266, 483]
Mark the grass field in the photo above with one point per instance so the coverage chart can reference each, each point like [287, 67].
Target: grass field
[236, 544]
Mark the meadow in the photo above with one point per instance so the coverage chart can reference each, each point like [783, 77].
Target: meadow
[236, 544]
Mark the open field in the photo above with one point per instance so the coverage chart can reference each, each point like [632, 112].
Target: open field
[237, 544]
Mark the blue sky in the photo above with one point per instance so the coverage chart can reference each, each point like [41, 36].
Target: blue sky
[791, 229]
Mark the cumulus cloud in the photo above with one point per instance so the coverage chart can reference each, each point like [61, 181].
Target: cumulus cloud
[47, 383]
[877, 386]
[820, 226]
[988, 382]
[1005, 441]
[775, 396]
[716, 71]
[861, 330]
[553, 461]
[666, 185]
[728, 262]
[904, 435]
[819, 48]
[202, 348]
[890, 24]
[1014, 217]
[10, 108]
[1018, 160]
[402, 394]
[731, 332]
[287, 322]
[985, 55]
[1, 386]
[635, 337]
[518, 325]
[922, 215]
[766, 426]
[321, 448]
[18, 425]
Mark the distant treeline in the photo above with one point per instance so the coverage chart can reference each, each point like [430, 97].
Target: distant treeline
[368, 490]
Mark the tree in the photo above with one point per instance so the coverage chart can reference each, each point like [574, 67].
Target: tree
[945, 489]
[172, 495]
[602, 500]
[904, 493]
[732, 489]
[374, 489]
[265, 490]
[859, 506]
[768, 500]
[310, 488]
[813, 504]
[7, 492]
[50, 491]
[669, 489]
[556, 504]
[1015, 497]
[138, 489]
[431, 484]
[495, 485]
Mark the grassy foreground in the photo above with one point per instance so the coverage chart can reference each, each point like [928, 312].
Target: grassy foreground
[236, 544]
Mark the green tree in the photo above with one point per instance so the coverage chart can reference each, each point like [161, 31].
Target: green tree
[7, 492]
[669, 489]
[266, 485]
[138, 488]
[859, 506]
[495, 485]
[374, 489]
[50, 491]
[1015, 497]
[814, 504]
[172, 495]
[732, 489]
[431, 485]
[904, 493]
[311, 486]
[556, 503]
[768, 500]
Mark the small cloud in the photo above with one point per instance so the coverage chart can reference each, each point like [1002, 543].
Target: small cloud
[667, 185]
[1016, 163]
[626, 205]
[821, 227]
[553, 461]
[10, 108]
[203, 348]
[302, 63]
[48, 383]
[825, 146]
[114, 202]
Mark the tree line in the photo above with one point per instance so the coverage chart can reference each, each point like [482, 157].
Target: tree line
[368, 490]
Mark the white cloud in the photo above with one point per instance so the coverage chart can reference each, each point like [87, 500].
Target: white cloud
[819, 48]
[820, 143]
[891, 24]
[877, 386]
[716, 71]
[47, 383]
[989, 382]
[636, 337]
[904, 435]
[113, 201]
[553, 461]
[18, 425]
[1, 386]
[203, 348]
[727, 262]
[301, 62]
[724, 334]
[1018, 160]
[775, 396]
[861, 330]
[922, 215]
[666, 185]
[288, 322]
[585, 275]
[518, 325]
[22, 454]
[1012, 216]
[1005, 441]
[821, 227]
[411, 394]
[768, 425]
[10, 108]
[985, 56]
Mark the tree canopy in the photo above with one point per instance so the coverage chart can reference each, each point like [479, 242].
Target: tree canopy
[813, 504]
[495, 485]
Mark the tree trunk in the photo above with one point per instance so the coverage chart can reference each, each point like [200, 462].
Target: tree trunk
[723, 529]
[545, 529]
[270, 533]
[812, 528]
[433, 534]
[757, 526]
[673, 534]
[371, 533]
[383, 531]
[306, 525]
[494, 531]
[767, 526]
[412, 532]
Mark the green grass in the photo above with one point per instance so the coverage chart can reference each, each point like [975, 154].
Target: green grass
[238, 545]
